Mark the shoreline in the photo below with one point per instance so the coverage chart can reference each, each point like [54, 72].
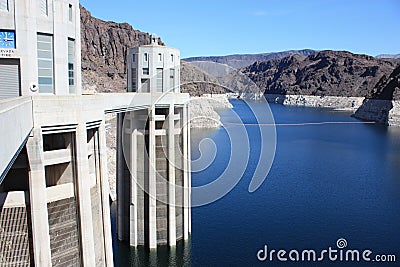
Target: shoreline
[334, 102]
[203, 110]
[386, 112]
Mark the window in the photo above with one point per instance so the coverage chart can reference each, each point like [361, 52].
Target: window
[133, 57]
[71, 66]
[133, 80]
[172, 58]
[70, 14]
[159, 57]
[159, 80]
[44, 7]
[146, 71]
[172, 79]
[4, 5]
[45, 63]
[146, 57]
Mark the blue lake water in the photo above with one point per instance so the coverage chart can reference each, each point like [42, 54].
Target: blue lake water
[326, 182]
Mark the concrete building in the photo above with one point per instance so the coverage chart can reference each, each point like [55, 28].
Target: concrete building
[31, 33]
[153, 178]
[153, 67]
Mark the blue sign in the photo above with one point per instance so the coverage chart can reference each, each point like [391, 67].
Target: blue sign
[7, 39]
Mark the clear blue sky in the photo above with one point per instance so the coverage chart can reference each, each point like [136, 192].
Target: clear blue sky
[222, 27]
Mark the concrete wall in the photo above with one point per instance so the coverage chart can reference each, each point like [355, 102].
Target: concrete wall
[16, 119]
[78, 192]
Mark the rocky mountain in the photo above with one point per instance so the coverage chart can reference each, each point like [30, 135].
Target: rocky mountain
[388, 87]
[240, 61]
[326, 73]
[197, 82]
[104, 52]
[211, 77]
[381, 107]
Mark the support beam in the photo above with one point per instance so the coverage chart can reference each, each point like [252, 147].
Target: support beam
[38, 200]
[185, 175]
[152, 181]
[189, 162]
[171, 177]
[133, 203]
[105, 196]
[120, 179]
[84, 197]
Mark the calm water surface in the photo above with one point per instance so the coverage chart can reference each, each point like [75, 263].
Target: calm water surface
[327, 182]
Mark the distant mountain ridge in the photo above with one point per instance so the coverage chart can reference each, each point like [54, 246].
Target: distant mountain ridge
[388, 56]
[326, 73]
[243, 60]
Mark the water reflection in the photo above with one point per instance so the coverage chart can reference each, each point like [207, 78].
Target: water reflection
[124, 255]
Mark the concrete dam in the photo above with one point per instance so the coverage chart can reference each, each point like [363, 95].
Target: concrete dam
[54, 192]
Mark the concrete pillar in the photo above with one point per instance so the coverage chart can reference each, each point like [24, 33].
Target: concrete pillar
[120, 179]
[84, 197]
[189, 172]
[38, 200]
[152, 181]
[185, 175]
[171, 177]
[133, 203]
[105, 196]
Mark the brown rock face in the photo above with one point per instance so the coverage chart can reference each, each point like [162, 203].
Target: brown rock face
[388, 88]
[333, 73]
[105, 48]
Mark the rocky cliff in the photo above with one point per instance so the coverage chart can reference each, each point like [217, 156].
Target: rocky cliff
[388, 87]
[384, 105]
[104, 52]
[326, 73]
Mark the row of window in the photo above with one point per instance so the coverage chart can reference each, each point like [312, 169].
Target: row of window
[44, 9]
[45, 56]
[159, 80]
[43, 5]
[146, 57]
